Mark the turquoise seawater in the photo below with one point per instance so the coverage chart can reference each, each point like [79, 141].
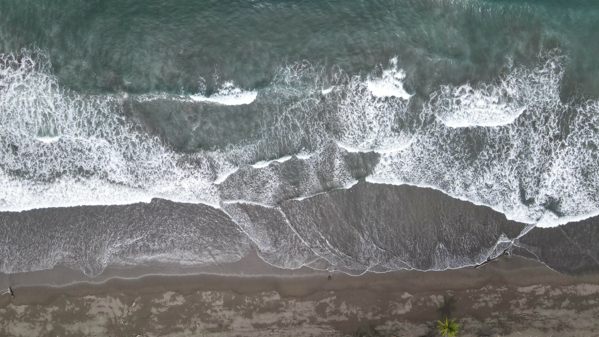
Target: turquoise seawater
[167, 46]
[262, 102]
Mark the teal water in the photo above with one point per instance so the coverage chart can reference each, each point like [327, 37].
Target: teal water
[262, 102]
[167, 46]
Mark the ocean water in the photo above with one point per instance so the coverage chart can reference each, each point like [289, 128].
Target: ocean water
[354, 136]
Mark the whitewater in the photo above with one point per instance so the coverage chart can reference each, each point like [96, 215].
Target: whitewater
[511, 144]
[60, 148]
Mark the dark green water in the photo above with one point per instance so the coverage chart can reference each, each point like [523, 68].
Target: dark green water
[261, 102]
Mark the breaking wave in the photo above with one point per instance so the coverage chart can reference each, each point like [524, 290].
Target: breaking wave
[502, 102]
[59, 148]
[518, 147]
[511, 144]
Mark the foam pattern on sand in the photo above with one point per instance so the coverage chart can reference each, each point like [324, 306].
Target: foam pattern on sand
[382, 228]
[93, 237]
[332, 168]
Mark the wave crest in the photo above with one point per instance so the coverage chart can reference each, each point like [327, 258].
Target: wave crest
[499, 103]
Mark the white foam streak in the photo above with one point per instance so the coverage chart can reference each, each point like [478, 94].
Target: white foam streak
[232, 202]
[551, 220]
[347, 185]
[348, 148]
[304, 156]
[229, 94]
[481, 107]
[327, 91]
[224, 175]
[265, 163]
[48, 139]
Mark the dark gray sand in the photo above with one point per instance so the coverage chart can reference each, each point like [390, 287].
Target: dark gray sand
[511, 297]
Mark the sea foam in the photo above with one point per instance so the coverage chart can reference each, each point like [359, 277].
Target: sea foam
[511, 144]
[59, 148]
[228, 94]
[498, 103]
[539, 168]
[390, 83]
[368, 111]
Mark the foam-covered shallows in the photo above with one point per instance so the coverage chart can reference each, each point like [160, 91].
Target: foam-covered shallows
[91, 237]
[281, 169]
[367, 227]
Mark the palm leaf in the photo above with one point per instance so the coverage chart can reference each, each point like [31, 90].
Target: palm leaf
[448, 328]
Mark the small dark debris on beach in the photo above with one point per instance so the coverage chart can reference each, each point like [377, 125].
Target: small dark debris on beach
[505, 253]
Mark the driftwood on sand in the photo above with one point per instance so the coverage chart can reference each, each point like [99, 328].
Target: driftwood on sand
[489, 260]
[9, 291]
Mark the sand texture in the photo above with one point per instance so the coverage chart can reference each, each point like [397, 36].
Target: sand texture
[511, 297]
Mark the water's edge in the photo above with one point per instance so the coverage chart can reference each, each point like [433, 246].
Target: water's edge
[368, 227]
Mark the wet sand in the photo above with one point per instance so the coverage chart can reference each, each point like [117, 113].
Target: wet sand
[510, 297]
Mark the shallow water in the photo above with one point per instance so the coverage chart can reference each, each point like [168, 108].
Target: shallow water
[246, 106]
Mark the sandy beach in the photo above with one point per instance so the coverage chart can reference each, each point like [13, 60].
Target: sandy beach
[299, 168]
[510, 297]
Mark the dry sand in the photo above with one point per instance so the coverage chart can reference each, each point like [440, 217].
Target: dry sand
[511, 297]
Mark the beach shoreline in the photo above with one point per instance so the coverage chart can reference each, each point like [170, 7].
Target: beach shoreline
[299, 168]
[251, 298]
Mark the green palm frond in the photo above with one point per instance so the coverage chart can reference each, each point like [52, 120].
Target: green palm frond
[448, 328]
